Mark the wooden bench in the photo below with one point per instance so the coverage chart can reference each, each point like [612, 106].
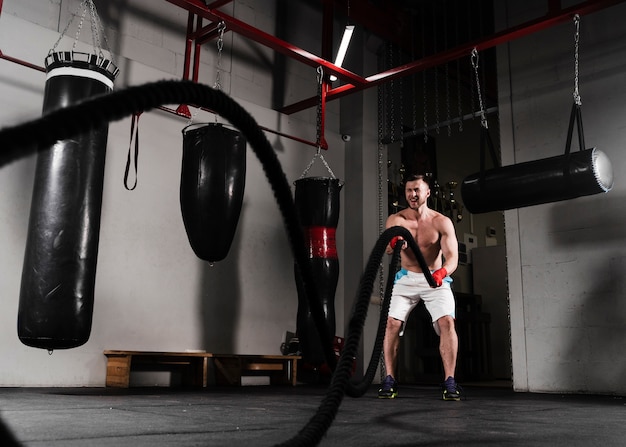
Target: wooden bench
[200, 369]
[281, 369]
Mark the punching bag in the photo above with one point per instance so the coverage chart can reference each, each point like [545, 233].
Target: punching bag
[212, 184]
[553, 179]
[317, 205]
[573, 174]
[58, 277]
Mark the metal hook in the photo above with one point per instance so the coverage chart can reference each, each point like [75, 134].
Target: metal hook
[474, 58]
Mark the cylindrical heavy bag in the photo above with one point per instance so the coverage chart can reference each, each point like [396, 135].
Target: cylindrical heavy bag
[317, 205]
[553, 179]
[212, 184]
[58, 277]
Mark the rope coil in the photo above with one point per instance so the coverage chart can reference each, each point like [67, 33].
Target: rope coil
[27, 138]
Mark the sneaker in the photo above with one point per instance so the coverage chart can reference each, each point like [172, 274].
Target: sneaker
[451, 390]
[388, 389]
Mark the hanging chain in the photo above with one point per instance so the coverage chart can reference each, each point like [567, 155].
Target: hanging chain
[401, 109]
[320, 85]
[56, 44]
[220, 45]
[96, 18]
[577, 99]
[458, 94]
[414, 111]
[392, 99]
[483, 118]
[447, 73]
[413, 88]
[400, 104]
[381, 204]
[96, 27]
[318, 153]
[80, 25]
[458, 76]
[472, 94]
[425, 107]
[221, 27]
[448, 116]
[436, 69]
[424, 73]
[437, 100]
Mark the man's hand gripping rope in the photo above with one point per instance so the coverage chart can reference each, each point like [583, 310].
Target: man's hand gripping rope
[401, 234]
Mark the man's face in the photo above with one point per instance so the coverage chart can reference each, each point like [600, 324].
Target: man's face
[416, 193]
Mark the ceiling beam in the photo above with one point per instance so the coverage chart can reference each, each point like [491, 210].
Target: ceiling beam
[199, 8]
[355, 83]
[554, 17]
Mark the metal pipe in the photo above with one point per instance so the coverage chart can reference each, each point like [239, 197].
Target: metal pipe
[458, 119]
[199, 8]
[551, 19]
[266, 129]
[19, 61]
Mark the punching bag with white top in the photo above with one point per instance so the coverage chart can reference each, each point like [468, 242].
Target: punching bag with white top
[58, 276]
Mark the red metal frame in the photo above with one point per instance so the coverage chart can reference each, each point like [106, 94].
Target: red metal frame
[19, 61]
[198, 8]
[355, 83]
[199, 35]
[554, 17]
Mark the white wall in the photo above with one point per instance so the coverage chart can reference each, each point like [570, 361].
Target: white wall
[566, 259]
[152, 293]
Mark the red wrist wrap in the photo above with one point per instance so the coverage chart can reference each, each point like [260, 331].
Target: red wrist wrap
[394, 241]
[439, 275]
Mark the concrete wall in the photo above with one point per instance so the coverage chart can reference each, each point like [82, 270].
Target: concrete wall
[565, 259]
[152, 293]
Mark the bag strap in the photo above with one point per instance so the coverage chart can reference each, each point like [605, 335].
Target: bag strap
[575, 116]
[134, 135]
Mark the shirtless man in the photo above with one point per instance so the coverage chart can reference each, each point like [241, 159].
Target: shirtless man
[437, 241]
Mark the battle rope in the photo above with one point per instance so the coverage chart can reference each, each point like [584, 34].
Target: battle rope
[27, 138]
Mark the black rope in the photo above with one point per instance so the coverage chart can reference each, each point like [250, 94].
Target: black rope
[25, 139]
[340, 384]
[358, 389]
[6, 437]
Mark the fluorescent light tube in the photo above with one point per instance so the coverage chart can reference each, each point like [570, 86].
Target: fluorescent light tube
[343, 48]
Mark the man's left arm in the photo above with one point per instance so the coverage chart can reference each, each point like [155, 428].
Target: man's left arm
[449, 246]
[449, 250]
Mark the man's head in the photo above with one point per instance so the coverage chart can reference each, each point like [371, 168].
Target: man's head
[417, 190]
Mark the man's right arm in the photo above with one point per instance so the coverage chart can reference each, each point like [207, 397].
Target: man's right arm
[392, 221]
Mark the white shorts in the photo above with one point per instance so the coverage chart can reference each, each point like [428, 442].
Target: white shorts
[411, 287]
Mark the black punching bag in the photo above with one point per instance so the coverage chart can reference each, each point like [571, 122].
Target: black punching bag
[212, 184]
[567, 176]
[317, 205]
[59, 272]
[536, 182]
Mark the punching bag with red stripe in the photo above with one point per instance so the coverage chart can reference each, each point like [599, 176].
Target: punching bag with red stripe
[317, 205]
[58, 277]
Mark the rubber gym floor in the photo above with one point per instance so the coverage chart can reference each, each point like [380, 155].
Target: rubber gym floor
[270, 415]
